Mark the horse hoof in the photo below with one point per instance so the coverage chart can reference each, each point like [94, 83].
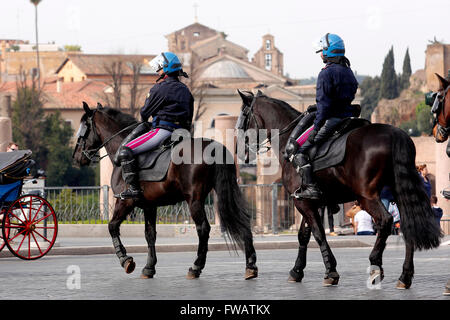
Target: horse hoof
[295, 276]
[446, 292]
[193, 274]
[129, 265]
[376, 276]
[251, 273]
[401, 286]
[329, 281]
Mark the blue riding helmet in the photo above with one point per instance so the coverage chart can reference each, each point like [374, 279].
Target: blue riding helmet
[167, 61]
[331, 45]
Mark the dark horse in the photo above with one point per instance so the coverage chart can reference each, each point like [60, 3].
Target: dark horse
[376, 155]
[441, 129]
[186, 181]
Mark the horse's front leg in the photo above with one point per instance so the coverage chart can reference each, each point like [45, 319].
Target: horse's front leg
[304, 234]
[121, 210]
[150, 235]
[198, 214]
[311, 213]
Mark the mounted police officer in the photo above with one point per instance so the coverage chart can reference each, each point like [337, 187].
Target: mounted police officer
[336, 88]
[170, 104]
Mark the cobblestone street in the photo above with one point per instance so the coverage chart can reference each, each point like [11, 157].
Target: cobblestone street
[101, 277]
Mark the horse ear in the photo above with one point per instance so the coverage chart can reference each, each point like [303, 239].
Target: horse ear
[247, 99]
[86, 109]
[259, 93]
[444, 83]
[99, 105]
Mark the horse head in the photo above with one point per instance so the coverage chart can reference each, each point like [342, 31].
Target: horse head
[441, 109]
[87, 139]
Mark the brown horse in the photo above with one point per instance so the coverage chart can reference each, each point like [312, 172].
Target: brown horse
[441, 129]
[192, 182]
[377, 155]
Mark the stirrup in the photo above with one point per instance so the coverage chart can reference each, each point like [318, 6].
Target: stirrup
[129, 194]
[311, 192]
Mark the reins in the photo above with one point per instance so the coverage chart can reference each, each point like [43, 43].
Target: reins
[264, 144]
[90, 153]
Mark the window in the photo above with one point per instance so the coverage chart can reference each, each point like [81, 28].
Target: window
[196, 34]
[268, 61]
[268, 45]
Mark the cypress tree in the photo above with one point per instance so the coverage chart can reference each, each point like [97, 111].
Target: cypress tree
[389, 83]
[404, 84]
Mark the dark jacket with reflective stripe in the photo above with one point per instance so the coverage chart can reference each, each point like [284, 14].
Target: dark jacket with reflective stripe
[169, 100]
[335, 90]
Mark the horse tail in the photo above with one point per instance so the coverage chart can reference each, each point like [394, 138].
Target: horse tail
[232, 207]
[416, 215]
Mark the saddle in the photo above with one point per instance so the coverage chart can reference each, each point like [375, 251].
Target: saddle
[153, 165]
[332, 152]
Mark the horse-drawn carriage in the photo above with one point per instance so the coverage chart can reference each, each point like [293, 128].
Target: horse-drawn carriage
[28, 222]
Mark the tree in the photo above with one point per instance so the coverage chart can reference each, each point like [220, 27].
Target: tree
[135, 89]
[116, 73]
[197, 88]
[26, 115]
[48, 137]
[72, 48]
[36, 2]
[370, 91]
[404, 80]
[389, 83]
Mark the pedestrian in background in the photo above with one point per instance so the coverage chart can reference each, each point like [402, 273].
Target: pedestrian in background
[12, 146]
[362, 221]
[438, 213]
[423, 171]
[386, 196]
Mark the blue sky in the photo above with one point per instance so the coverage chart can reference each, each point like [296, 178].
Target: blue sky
[369, 28]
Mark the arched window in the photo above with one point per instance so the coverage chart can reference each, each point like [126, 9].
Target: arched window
[268, 44]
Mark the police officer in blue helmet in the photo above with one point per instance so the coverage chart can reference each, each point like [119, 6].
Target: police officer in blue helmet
[170, 104]
[335, 90]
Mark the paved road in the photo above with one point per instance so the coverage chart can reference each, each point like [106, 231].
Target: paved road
[103, 278]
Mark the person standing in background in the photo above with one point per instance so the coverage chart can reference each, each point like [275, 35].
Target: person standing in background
[423, 171]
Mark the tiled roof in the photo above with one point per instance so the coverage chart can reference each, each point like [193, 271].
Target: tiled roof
[92, 64]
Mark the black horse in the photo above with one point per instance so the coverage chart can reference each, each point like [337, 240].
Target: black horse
[107, 127]
[376, 155]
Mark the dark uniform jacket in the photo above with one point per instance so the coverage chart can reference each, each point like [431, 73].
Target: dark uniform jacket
[335, 90]
[170, 101]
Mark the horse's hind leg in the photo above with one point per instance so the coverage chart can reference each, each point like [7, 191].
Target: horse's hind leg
[304, 234]
[121, 210]
[150, 235]
[251, 270]
[384, 223]
[405, 280]
[199, 216]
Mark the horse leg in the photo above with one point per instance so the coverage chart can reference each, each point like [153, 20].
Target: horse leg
[304, 234]
[405, 280]
[150, 235]
[121, 210]
[251, 270]
[201, 223]
[384, 224]
[313, 219]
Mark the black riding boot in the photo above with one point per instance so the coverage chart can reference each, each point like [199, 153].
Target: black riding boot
[309, 186]
[130, 173]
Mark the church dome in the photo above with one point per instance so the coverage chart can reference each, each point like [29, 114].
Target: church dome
[224, 69]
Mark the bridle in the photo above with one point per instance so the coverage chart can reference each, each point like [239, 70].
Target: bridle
[437, 108]
[247, 115]
[83, 133]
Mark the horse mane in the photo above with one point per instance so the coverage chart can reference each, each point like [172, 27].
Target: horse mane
[122, 118]
[286, 106]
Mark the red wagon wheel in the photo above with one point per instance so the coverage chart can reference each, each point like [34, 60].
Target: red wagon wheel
[30, 227]
[2, 242]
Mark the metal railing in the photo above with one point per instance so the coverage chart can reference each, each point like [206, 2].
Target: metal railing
[271, 208]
